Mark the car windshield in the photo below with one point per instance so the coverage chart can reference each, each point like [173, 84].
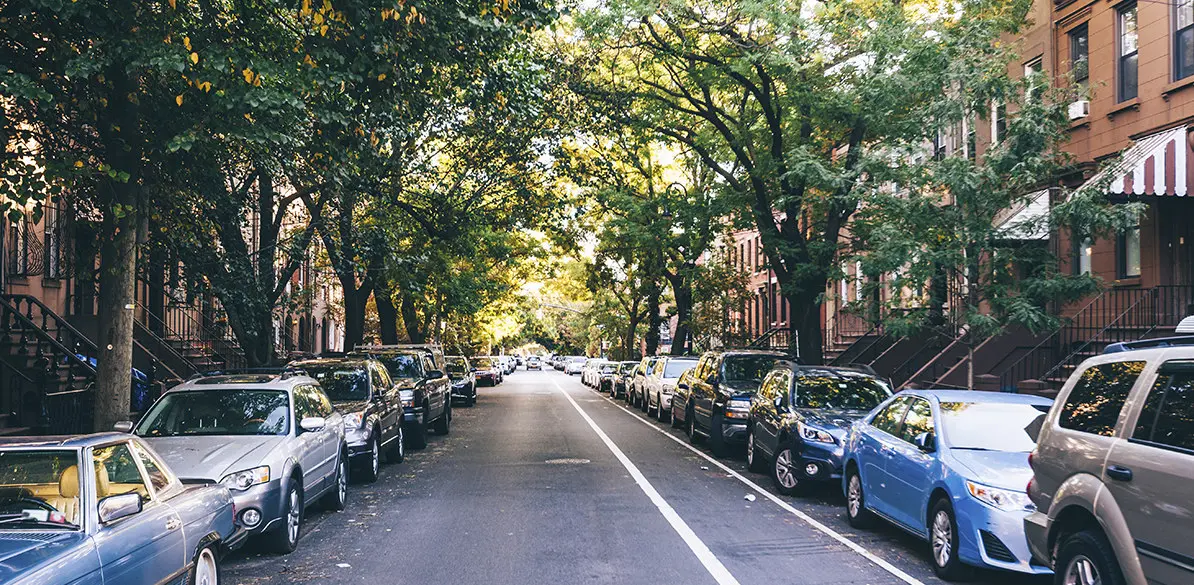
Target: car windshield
[482, 363]
[578, 359]
[676, 368]
[834, 390]
[39, 489]
[747, 368]
[218, 412]
[627, 367]
[457, 367]
[992, 426]
[401, 365]
[609, 368]
[341, 384]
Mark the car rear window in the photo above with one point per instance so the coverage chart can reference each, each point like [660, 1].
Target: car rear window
[823, 389]
[1094, 404]
[1167, 419]
[675, 368]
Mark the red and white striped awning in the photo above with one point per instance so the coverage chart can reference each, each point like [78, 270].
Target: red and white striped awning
[1155, 165]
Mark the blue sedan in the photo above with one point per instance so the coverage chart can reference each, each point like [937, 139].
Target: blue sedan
[104, 509]
[950, 467]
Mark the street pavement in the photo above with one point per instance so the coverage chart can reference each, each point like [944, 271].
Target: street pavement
[546, 481]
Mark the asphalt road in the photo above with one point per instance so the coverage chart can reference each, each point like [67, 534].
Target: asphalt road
[545, 481]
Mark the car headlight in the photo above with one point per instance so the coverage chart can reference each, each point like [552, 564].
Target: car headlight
[738, 409]
[243, 480]
[407, 397]
[460, 384]
[670, 389]
[811, 434]
[353, 420]
[999, 498]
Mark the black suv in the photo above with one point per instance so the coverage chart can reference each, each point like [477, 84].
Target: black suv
[464, 379]
[361, 389]
[718, 404]
[424, 386]
[799, 420]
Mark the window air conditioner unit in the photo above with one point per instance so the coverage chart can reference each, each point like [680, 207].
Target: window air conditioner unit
[1079, 109]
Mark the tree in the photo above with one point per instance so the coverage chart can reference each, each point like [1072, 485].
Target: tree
[792, 105]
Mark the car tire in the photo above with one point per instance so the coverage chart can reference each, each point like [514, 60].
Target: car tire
[856, 513]
[662, 415]
[206, 570]
[372, 468]
[417, 438]
[443, 425]
[397, 453]
[472, 399]
[644, 404]
[690, 417]
[337, 498]
[717, 441]
[285, 538]
[676, 422]
[782, 475]
[943, 543]
[1088, 551]
[754, 458]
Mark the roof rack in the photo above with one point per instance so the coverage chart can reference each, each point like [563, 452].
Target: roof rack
[1180, 341]
[282, 372]
[865, 368]
[398, 346]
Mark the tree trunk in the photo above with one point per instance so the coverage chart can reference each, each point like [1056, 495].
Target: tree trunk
[118, 258]
[653, 321]
[155, 298]
[806, 325]
[387, 316]
[682, 291]
[355, 300]
[410, 319]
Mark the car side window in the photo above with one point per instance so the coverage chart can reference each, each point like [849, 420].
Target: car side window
[918, 420]
[319, 398]
[1167, 419]
[116, 472]
[158, 477]
[889, 419]
[1094, 404]
[428, 365]
[379, 380]
[304, 406]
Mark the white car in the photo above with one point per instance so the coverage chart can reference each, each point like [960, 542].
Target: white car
[660, 384]
[574, 364]
[592, 372]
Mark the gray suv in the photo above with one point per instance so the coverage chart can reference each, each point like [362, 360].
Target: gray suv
[273, 439]
[1114, 470]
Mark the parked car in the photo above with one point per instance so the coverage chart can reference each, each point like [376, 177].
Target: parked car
[487, 370]
[361, 390]
[424, 387]
[588, 371]
[680, 399]
[950, 467]
[574, 365]
[660, 386]
[534, 363]
[718, 405]
[274, 440]
[622, 379]
[604, 375]
[799, 420]
[508, 364]
[131, 520]
[464, 381]
[1113, 467]
[636, 393]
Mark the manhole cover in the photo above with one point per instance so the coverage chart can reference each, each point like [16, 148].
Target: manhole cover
[566, 461]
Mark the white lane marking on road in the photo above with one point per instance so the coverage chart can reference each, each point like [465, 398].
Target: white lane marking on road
[702, 552]
[858, 548]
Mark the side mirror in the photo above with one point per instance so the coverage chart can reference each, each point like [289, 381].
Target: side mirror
[123, 426]
[433, 374]
[781, 404]
[114, 508]
[926, 442]
[312, 424]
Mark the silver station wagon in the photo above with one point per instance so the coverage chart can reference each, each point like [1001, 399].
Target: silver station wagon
[273, 440]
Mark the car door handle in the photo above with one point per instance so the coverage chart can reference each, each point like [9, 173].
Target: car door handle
[173, 524]
[1119, 472]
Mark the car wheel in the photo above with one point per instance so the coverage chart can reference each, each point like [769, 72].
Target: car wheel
[417, 439]
[676, 422]
[643, 403]
[1086, 558]
[717, 441]
[754, 459]
[372, 468]
[661, 414]
[206, 570]
[337, 499]
[472, 399]
[443, 426]
[783, 474]
[693, 437]
[285, 538]
[397, 453]
[943, 543]
[856, 513]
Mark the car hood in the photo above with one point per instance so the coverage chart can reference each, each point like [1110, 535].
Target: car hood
[347, 406]
[999, 469]
[741, 389]
[23, 551]
[213, 457]
[835, 421]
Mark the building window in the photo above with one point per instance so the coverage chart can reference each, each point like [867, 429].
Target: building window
[971, 141]
[1083, 249]
[1031, 69]
[52, 222]
[1080, 58]
[1127, 52]
[18, 248]
[1128, 252]
[1183, 39]
[999, 121]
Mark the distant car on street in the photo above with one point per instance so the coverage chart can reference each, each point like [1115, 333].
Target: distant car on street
[604, 376]
[361, 390]
[487, 370]
[622, 378]
[105, 508]
[575, 364]
[534, 363]
[636, 392]
[420, 371]
[718, 405]
[274, 440]
[464, 380]
[680, 399]
[950, 467]
[660, 385]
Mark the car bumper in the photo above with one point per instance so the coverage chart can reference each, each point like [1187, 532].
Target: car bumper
[463, 392]
[1005, 536]
[358, 441]
[1036, 530]
[412, 416]
[820, 462]
[266, 498]
[665, 401]
[237, 539]
[734, 433]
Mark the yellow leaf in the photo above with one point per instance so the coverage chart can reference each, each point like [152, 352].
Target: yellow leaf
[78, 164]
[318, 18]
[308, 60]
[194, 57]
[381, 77]
[172, 4]
[178, 99]
[306, 10]
[204, 85]
[186, 42]
[249, 117]
[248, 74]
[323, 31]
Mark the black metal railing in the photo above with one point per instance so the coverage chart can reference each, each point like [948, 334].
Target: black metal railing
[191, 338]
[777, 338]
